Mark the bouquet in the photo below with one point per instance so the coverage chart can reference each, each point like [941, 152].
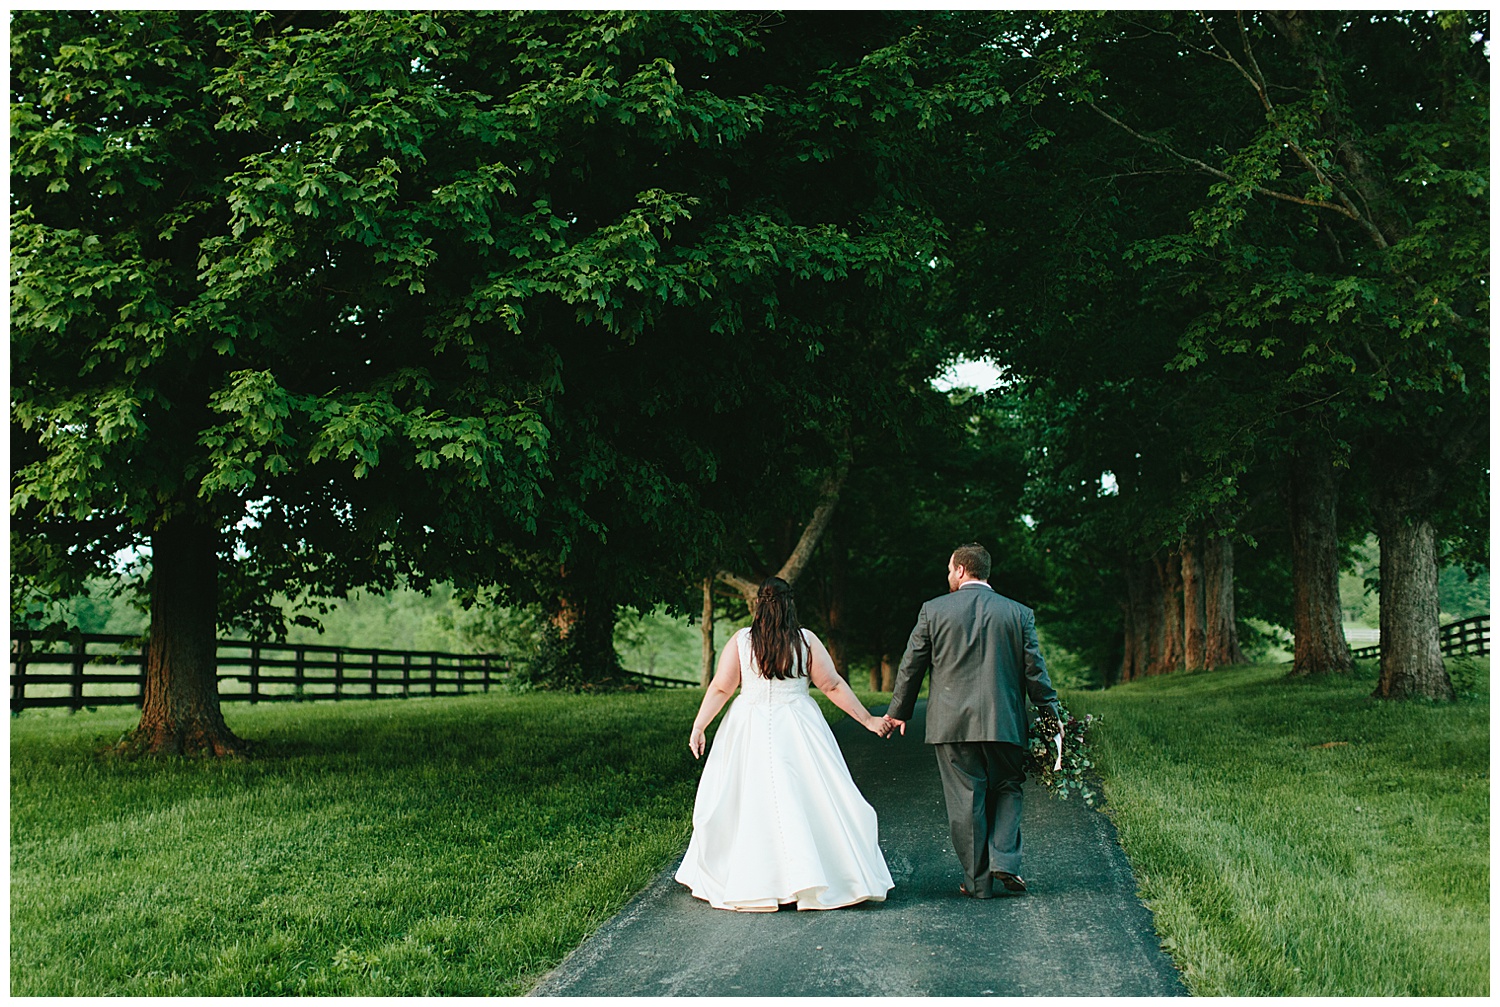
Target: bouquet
[1060, 772]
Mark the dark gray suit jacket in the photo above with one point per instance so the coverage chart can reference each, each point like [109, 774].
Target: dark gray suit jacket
[985, 661]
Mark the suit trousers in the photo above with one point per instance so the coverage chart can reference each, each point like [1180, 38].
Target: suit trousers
[982, 786]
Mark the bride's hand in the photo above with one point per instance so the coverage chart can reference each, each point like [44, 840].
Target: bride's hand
[697, 742]
[877, 726]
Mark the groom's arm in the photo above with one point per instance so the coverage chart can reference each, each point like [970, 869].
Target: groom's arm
[1038, 683]
[914, 664]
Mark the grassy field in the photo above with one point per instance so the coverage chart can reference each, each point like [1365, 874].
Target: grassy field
[1300, 838]
[431, 846]
[437, 846]
[1292, 838]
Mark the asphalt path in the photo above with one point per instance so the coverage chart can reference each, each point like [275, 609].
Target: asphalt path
[1081, 930]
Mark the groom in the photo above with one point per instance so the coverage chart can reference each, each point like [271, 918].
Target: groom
[983, 652]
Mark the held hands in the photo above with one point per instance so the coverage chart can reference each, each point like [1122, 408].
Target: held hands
[891, 726]
[878, 726]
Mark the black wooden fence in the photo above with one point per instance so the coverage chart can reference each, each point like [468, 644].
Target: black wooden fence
[1467, 637]
[81, 670]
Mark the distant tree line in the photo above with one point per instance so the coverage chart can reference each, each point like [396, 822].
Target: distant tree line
[585, 312]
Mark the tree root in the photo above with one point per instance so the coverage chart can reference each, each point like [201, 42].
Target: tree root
[187, 740]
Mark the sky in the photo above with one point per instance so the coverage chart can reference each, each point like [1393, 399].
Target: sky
[980, 375]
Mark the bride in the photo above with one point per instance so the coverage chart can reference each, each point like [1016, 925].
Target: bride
[778, 819]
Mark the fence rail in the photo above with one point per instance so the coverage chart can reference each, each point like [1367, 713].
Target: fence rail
[78, 670]
[1467, 637]
[665, 683]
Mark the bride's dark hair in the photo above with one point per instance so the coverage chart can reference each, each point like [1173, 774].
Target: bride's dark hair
[775, 635]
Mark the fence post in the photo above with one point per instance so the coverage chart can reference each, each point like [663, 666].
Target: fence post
[406, 675]
[78, 661]
[338, 673]
[255, 673]
[460, 677]
[374, 674]
[486, 673]
[299, 675]
[18, 677]
[433, 675]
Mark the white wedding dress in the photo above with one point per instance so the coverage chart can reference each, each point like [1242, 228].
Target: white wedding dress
[778, 818]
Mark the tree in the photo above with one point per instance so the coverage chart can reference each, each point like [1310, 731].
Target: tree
[1344, 236]
[675, 438]
[812, 240]
[1304, 198]
[230, 361]
[311, 301]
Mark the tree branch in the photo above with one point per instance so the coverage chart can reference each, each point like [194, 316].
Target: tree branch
[1257, 81]
[744, 586]
[1217, 173]
[828, 499]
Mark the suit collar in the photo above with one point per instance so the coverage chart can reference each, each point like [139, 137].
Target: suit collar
[975, 583]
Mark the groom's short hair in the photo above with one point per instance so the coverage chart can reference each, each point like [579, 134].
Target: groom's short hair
[974, 558]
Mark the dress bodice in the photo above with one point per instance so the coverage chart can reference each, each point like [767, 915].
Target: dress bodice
[756, 688]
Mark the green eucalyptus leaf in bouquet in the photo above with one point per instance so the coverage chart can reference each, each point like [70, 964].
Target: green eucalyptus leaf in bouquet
[1077, 761]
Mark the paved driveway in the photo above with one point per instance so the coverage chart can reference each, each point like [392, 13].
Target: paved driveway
[1081, 931]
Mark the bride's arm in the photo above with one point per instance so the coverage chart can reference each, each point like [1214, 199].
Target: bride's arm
[832, 685]
[719, 691]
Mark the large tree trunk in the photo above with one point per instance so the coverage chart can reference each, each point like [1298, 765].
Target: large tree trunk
[1143, 601]
[1156, 618]
[1127, 647]
[1174, 658]
[1140, 599]
[707, 626]
[1167, 615]
[1194, 618]
[836, 647]
[180, 712]
[1411, 656]
[1317, 614]
[1221, 637]
[579, 652]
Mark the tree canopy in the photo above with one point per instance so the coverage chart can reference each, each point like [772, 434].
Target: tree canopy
[575, 309]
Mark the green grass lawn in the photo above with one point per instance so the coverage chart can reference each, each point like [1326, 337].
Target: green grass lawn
[436, 846]
[433, 846]
[1300, 838]
[464, 846]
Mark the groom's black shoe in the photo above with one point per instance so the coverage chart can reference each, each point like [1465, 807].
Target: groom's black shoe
[1012, 883]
